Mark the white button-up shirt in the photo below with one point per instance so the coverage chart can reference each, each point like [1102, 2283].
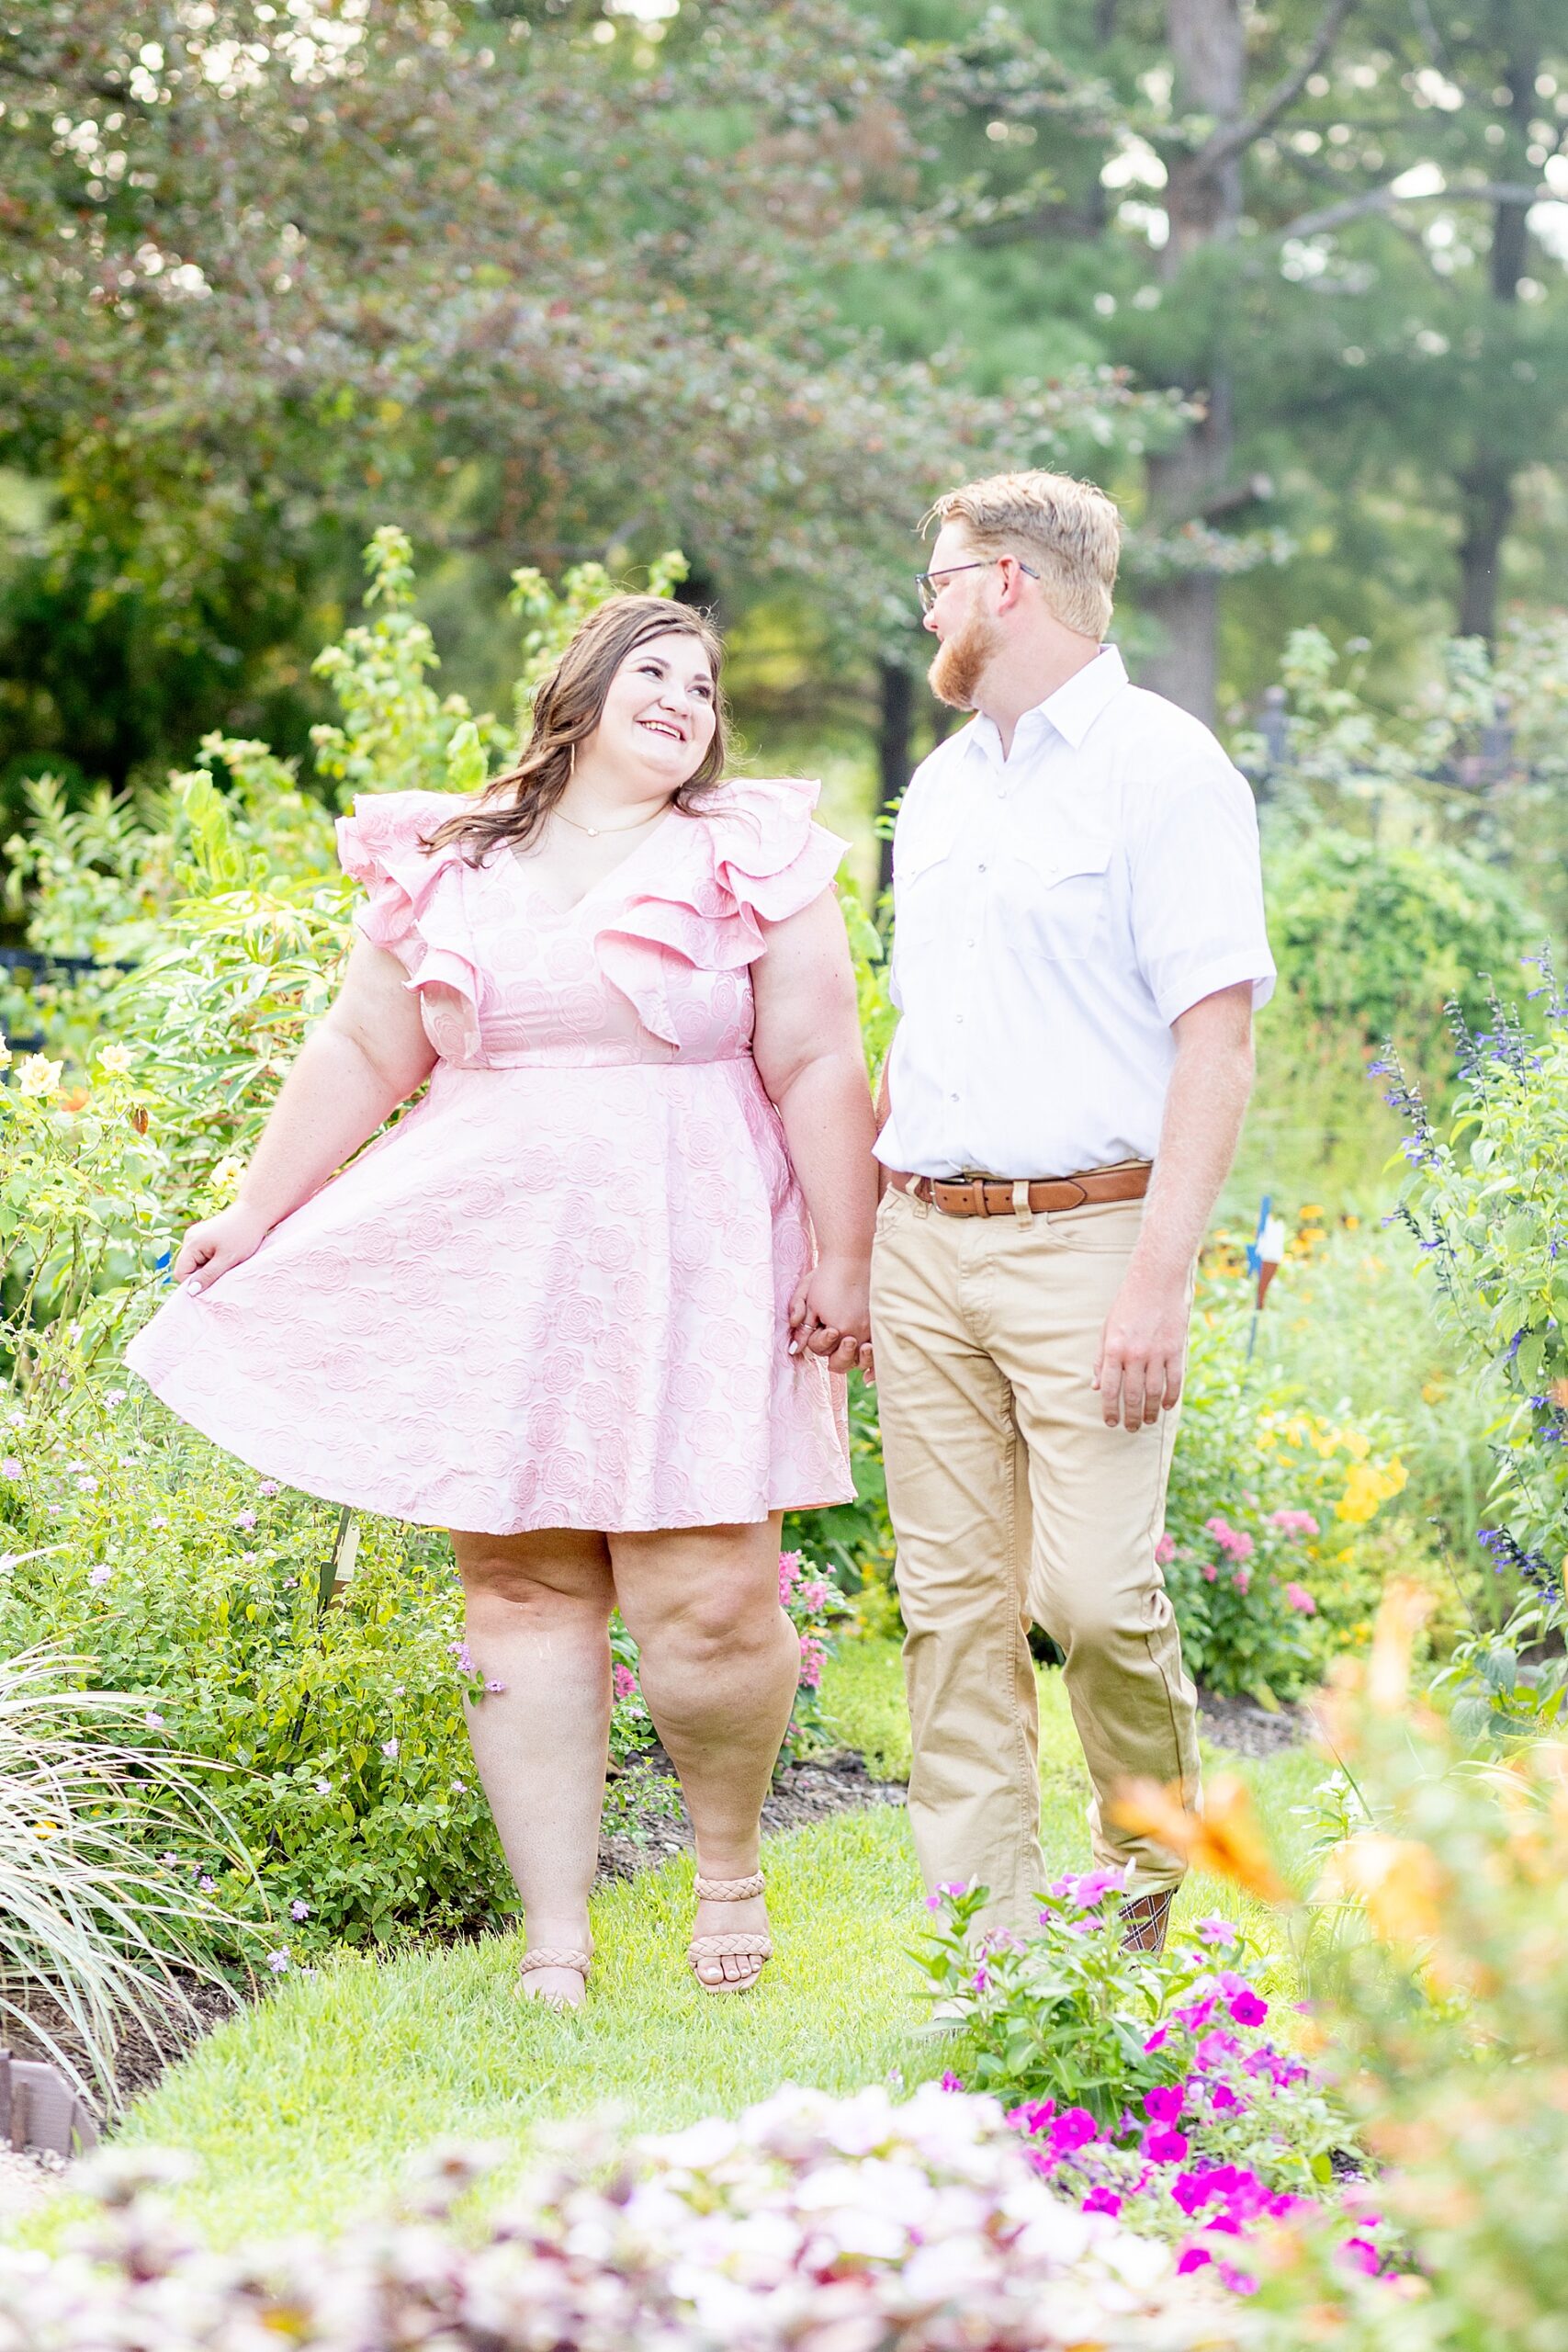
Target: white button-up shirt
[1054, 913]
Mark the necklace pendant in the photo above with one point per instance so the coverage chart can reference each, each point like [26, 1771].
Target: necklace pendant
[592, 832]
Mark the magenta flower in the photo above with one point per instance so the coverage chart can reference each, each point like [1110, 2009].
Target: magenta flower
[624, 1681]
[1297, 1597]
[813, 1658]
[1234, 1542]
[813, 1596]
[950, 2081]
[1164, 2145]
[1164, 2104]
[1249, 2008]
[1216, 1931]
[1192, 2257]
[1101, 2199]
[1072, 2129]
[1156, 2039]
[789, 1573]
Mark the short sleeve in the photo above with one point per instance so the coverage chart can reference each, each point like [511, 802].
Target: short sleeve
[1197, 876]
[768, 854]
[415, 906]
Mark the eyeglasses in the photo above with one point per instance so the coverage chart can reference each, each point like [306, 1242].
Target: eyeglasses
[926, 582]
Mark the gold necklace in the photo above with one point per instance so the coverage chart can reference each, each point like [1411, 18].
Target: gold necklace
[593, 832]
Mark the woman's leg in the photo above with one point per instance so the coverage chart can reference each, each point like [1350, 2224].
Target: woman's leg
[719, 1665]
[538, 1614]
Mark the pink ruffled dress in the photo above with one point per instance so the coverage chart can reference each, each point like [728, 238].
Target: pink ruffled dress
[556, 1293]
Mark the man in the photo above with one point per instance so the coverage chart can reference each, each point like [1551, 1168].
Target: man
[1079, 947]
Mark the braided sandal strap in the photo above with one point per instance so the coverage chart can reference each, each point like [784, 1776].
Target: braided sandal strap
[728, 1889]
[554, 1956]
[729, 1948]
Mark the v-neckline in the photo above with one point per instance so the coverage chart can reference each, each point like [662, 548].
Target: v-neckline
[565, 915]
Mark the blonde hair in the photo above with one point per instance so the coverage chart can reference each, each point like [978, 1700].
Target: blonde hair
[1068, 531]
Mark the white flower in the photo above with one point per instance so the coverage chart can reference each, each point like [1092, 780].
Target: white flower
[114, 1059]
[38, 1075]
[5, 1050]
[390, 1747]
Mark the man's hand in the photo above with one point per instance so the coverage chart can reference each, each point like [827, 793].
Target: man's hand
[830, 1312]
[1143, 1349]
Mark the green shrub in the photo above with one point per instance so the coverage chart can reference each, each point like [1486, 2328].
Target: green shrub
[1267, 1551]
[1488, 1204]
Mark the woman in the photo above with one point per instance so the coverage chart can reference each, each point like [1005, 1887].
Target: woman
[589, 1303]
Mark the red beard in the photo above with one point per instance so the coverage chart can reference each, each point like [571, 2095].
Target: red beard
[961, 660]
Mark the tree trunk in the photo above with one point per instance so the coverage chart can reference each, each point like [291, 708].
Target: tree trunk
[1486, 485]
[895, 722]
[1203, 203]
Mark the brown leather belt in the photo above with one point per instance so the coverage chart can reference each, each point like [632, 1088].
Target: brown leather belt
[996, 1196]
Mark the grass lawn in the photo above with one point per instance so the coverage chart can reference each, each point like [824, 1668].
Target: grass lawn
[301, 2113]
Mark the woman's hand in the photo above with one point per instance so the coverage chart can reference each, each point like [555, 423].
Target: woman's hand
[219, 1242]
[831, 1312]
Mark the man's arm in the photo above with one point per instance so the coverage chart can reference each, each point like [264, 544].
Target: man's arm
[1144, 1345]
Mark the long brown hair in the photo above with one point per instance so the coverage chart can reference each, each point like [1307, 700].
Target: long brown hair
[568, 708]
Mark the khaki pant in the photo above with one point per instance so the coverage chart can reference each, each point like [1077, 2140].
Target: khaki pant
[1013, 1501]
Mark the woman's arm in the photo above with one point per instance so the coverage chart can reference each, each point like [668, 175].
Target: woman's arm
[808, 1056]
[366, 1056]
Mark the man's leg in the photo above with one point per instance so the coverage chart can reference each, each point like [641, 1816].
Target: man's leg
[960, 1511]
[1097, 1498]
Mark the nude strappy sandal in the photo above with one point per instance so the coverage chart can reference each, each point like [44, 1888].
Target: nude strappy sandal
[738, 1946]
[555, 1956]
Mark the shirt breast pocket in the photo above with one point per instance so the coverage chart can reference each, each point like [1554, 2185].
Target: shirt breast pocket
[1063, 900]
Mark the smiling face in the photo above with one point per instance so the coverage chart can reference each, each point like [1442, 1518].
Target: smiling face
[660, 712]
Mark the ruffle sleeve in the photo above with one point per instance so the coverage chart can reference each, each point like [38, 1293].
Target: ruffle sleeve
[415, 907]
[750, 854]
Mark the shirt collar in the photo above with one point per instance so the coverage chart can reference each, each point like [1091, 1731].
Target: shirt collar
[1071, 710]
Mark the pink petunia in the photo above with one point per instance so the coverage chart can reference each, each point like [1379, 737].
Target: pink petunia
[1192, 2257]
[1101, 2199]
[1216, 1931]
[1164, 2145]
[1164, 2104]
[1249, 2008]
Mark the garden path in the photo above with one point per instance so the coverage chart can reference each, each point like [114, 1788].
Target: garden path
[303, 2112]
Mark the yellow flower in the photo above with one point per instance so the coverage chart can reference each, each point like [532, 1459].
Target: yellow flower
[1431, 1390]
[36, 1075]
[1399, 1883]
[114, 1059]
[224, 1180]
[1367, 1484]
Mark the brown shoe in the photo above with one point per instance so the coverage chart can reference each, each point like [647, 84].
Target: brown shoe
[1144, 1920]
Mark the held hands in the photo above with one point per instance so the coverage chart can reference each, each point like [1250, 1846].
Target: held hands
[219, 1242]
[830, 1312]
[1143, 1351]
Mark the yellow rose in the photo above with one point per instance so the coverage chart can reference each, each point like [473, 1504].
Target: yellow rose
[38, 1075]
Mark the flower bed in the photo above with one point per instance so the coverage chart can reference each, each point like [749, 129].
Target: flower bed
[852, 2225]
